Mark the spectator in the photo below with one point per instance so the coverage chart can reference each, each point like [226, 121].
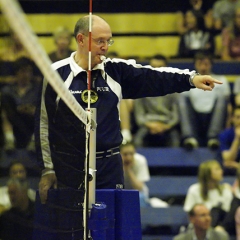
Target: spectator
[196, 38]
[136, 171]
[228, 223]
[126, 116]
[231, 39]
[203, 116]
[200, 219]
[236, 92]
[17, 222]
[8, 56]
[62, 39]
[126, 111]
[16, 170]
[210, 191]
[19, 103]
[237, 223]
[157, 117]
[230, 142]
[198, 6]
[15, 49]
[223, 12]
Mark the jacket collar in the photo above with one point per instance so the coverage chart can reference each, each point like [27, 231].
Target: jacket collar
[77, 69]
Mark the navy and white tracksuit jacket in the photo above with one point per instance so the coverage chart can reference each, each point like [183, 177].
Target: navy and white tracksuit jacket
[59, 138]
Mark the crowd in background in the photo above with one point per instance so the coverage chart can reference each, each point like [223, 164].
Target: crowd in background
[189, 120]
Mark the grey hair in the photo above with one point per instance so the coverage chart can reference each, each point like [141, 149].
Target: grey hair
[82, 26]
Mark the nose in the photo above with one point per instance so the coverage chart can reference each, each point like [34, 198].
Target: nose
[104, 46]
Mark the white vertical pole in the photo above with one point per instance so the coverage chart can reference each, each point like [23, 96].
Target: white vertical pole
[92, 160]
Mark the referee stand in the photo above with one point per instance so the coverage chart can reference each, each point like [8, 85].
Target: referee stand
[115, 216]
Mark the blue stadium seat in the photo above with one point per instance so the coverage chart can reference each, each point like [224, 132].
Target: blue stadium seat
[173, 186]
[176, 157]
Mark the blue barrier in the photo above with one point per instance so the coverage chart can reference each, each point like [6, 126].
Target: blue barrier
[62, 217]
[98, 221]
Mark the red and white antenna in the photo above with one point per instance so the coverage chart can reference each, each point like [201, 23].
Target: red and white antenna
[90, 160]
[89, 53]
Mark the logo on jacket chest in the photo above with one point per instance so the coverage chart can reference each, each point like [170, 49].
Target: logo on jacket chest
[93, 93]
[98, 89]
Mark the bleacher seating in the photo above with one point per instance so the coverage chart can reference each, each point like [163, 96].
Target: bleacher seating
[26, 157]
[129, 38]
[173, 186]
[148, 34]
[165, 222]
[176, 157]
[156, 32]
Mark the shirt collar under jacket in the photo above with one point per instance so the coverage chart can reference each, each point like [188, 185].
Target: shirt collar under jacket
[76, 69]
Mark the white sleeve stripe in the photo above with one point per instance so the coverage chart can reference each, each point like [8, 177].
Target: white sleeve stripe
[44, 131]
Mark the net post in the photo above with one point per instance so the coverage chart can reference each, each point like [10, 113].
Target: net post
[92, 160]
[90, 171]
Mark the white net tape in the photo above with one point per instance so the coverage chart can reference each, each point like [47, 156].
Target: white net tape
[17, 22]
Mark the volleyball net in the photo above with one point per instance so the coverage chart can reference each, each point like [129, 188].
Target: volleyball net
[82, 200]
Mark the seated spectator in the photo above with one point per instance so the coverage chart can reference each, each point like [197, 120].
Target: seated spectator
[203, 115]
[210, 191]
[18, 103]
[62, 39]
[126, 111]
[126, 115]
[136, 171]
[197, 5]
[16, 170]
[196, 38]
[8, 55]
[223, 13]
[200, 226]
[228, 223]
[157, 117]
[237, 223]
[17, 222]
[231, 39]
[230, 142]
[236, 92]
[14, 50]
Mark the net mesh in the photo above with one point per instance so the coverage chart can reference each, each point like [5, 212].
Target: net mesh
[62, 128]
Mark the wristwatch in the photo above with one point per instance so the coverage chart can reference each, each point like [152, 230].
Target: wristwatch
[192, 77]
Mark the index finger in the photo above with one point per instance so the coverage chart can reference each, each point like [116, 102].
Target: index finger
[217, 81]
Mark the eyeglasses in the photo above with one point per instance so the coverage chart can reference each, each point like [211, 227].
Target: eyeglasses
[100, 42]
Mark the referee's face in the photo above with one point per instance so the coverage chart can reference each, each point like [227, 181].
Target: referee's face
[101, 35]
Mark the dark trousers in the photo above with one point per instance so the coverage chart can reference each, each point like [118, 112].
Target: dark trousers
[69, 168]
[202, 126]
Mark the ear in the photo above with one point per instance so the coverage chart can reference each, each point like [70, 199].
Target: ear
[79, 38]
